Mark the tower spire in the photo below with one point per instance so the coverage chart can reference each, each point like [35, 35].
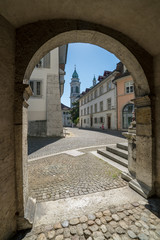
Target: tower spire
[94, 80]
[75, 74]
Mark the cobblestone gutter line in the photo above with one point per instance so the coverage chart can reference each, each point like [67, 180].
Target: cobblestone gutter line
[136, 220]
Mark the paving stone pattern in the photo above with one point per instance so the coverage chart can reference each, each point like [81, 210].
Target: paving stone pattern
[136, 220]
[78, 138]
[64, 176]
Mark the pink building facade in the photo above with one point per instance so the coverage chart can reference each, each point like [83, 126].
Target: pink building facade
[125, 107]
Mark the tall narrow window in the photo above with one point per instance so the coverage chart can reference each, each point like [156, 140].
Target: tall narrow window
[77, 89]
[95, 107]
[109, 85]
[101, 106]
[109, 104]
[36, 87]
[129, 87]
[91, 109]
[101, 90]
[127, 114]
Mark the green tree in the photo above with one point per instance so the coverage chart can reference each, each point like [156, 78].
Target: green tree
[75, 112]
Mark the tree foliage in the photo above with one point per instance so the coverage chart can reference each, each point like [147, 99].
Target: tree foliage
[75, 112]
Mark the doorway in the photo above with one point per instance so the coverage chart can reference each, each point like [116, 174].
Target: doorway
[109, 122]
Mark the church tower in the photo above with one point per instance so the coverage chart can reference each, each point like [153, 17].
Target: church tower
[94, 81]
[75, 87]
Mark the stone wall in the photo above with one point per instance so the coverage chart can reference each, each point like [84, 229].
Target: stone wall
[54, 115]
[37, 128]
[156, 126]
[7, 164]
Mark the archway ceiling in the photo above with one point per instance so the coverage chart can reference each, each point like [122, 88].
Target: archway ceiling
[138, 19]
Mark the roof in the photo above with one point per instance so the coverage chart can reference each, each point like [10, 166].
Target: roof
[91, 88]
[120, 75]
[64, 107]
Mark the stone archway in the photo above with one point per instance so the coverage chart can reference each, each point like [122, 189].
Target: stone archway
[54, 33]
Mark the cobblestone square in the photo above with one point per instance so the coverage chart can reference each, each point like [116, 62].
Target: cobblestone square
[62, 176]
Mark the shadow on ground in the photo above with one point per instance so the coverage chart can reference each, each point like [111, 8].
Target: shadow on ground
[116, 133]
[35, 143]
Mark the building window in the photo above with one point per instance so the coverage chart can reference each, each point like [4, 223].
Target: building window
[95, 107]
[87, 110]
[71, 89]
[109, 84]
[77, 89]
[36, 88]
[84, 100]
[109, 104]
[101, 119]
[95, 120]
[91, 109]
[129, 87]
[84, 120]
[127, 114]
[101, 90]
[88, 98]
[81, 112]
[101, 106]
[44, 62]
[95, 94]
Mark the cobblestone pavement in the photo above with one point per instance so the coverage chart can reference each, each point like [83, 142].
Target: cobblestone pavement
[63, 176]
[138, 220]
[78, 138]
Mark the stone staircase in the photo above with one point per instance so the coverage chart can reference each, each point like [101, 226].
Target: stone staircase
[117, 153]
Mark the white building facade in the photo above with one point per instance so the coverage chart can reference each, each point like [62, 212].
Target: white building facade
[98, 104]
[47, 83]
[66, 116]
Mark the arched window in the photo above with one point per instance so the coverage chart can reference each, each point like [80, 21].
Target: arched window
[77, 89]
[71, 89]
[127, 115]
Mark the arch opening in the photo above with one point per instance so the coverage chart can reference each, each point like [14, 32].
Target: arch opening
[142, 89]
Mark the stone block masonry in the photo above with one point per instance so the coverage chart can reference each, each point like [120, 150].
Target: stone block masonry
[54, 115]
[37, 128]
[7, 165]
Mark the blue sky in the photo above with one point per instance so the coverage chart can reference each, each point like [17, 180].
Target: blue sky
[89, 60]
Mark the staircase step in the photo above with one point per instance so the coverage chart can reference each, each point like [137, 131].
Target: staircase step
[123, 146]
[120, 152]
[113, 157]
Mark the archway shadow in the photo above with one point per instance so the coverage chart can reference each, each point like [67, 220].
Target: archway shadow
[153, 205]
[35, 143]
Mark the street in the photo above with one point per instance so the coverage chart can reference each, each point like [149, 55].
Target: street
[75, 139]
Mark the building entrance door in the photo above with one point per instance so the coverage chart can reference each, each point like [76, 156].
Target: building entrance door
[91, 121]
[109, 121]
